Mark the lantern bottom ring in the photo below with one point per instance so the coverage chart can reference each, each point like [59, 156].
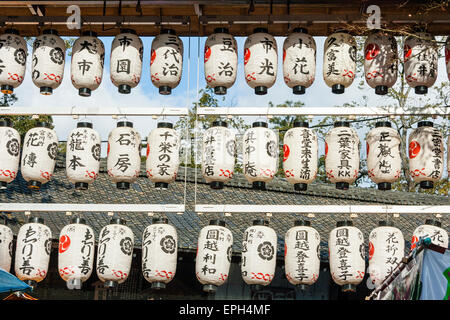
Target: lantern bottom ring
[165, 90]
[426, 184]
[84, 92]
[161, 185]
[74, 284]
[303, 287]
[220, 90]
[260, 90]
[210, 288]
[256, 287]
[33, 184]
[3, 185]
[384, 186]
[421, 89]
[124, 88]
[123, 185]
[338, 88]
[348, 288]
[216, 185]
[381, 90]
[299, 90]
[342, 185]
[81, 185]
[259, 185]
[110, 284]
[31, 283]
[158, 285]
[300, 186]
[46, 91]
[7, 89]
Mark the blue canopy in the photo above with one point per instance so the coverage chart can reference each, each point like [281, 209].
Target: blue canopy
[10, 283]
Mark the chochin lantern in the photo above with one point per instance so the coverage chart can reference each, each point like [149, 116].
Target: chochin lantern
[6, 246]
[76, 253]
[88, 56]
[421, 62]
[40, 149]
[126, 60]
[163, 149]
[260, 60]
[447, 56]
[386, 250]
[213, 259]
[300, 150]
[260, 150]
[218, 157]
[299, 60]
[302, 254]
[34, 243]
[9, 152]
[220, 60]
[49, 52]
[339, 65]
[342, 155]
[380, 61]
[259, 254]
[159, 253]
[166, 64]
[13, 53]
[384, 163]
[114, 253]
[346, 247]
[426, 154]
[431, 229]
[124, 155]
[83, 155]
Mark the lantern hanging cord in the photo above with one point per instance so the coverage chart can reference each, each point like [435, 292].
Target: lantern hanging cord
[196, 122]
[188, 102]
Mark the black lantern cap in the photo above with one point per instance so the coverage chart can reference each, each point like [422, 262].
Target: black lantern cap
[261, 90]
[299, 90]
[216, 185]
[259, 124]
[5, 122]
[118, 221]
[35, 220]
[433, 222]
[217, 222]
[43, 124]
[220, 90]
[50, 31]
[161, 185]
[302, 223]
[165, 125]
[338, 88]
[81, 185]
[12, 31]
[127, 30]
[46, 91]
[123, 185]
[78, 220]
[384, 223]
[168, 31]
[165, 90]
[3, 185]
[124, 88]
[259, 185]
[341, 124]
[221, 30]
[342, 185]
[125, 124]
[300, 29]
[425, 124]
[84, 92]
[160, 220]
[84, 124]
[344, 223]
[421, 89]
[301, 124]
[6, 89]
[261, 222]
[300, 186]
[89, 33]
[33, 184]
[220, 123]
[384, 186]
[383, 124]
[260, 29]
[381, 90]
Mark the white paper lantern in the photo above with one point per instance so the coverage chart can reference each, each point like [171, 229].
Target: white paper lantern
[300, 155]
[431, 229]
[219, 154]
[447, 56]
[421, 62]
[384, 163]
[76, 253]
[260, 155]
[159, 253]
[9, 152]
[426, 154]
[114, 253]
[302, 254]
[299, 60]
[346, 247]
[342, 155]
[386, 250]
[40, 149]
[214, 251]
[126, 60]
[339, 61]
[163, 155]
[34, 243]
[259, 254]
[83, 155]
[88, 57]
[380, 61]
[260, 60]
[6, 246]
[124, 155]
[13, 59]
[220, 60]
[47, 67]
[166, 64]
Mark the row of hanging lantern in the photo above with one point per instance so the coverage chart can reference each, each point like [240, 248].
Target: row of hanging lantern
[342, 160]
[220, 61]
[214, 252]
[83, 154]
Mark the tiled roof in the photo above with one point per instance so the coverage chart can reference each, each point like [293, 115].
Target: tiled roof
[238, 191]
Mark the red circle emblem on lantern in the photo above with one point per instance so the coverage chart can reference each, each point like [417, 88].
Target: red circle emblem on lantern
[285, 250]
[326, 149]
[407, 51]
[148, 149]
[284, 54]
[367, 148]
[246, 55]
[414, 242]
[286, 152]
[372, 50]
[207, 53]
[153, 57]
[64, 243]
[107, 151]
[447, 55]
[414, 149]
[371, 250]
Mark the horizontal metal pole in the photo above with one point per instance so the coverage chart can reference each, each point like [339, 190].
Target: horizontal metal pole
[95, 111]
[322, 111]
[87, 207]
[346, 209]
